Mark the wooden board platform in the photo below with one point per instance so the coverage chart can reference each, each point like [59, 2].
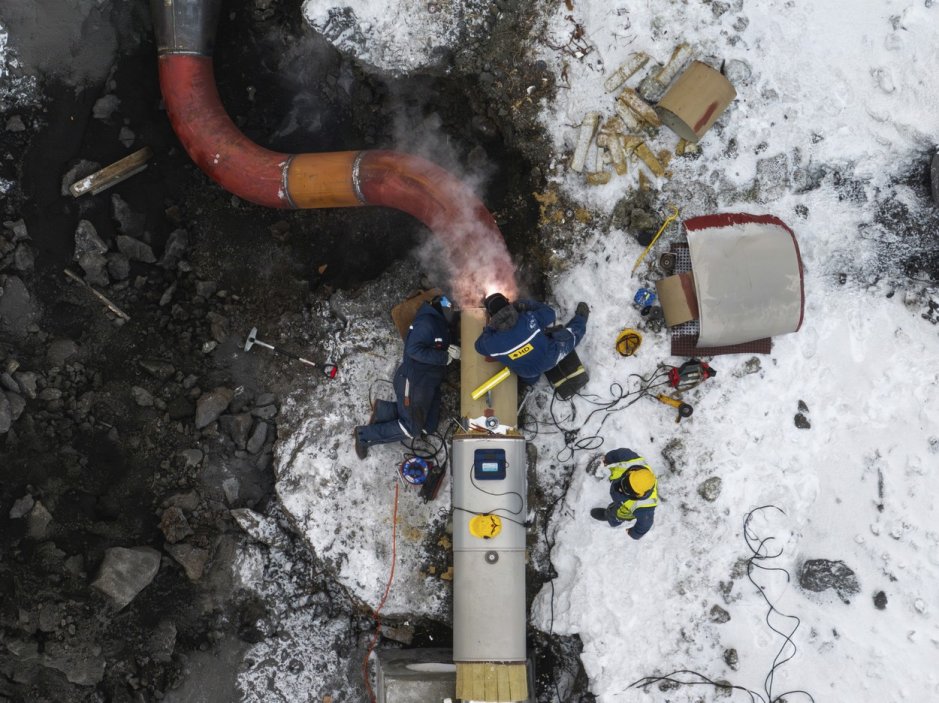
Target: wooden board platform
[474, 370]
[491, 682]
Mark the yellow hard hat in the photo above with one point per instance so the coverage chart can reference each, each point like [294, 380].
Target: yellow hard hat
[485, 526]
[641, 480]
[628, 341]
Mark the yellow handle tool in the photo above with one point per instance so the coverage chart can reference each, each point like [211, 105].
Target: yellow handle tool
[489, 384]
[684, 410]
[668, 221]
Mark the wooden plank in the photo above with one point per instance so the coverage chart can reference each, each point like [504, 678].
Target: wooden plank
[504, 687]
[490, 683]
[474, 370]
[113, 174]
[518, 682]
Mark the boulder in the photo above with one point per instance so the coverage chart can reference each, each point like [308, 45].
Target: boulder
[258, 438]
[176, 245]
[135, 250]
[710, 489]
[22, 507]
[82, 665]
[719, 615]
[60, 351]
[38, 522]
[6, 414]
[159, 369]
[129, 222]
[142, 396]
[87, 240]
[17, 404]
[174, 525]
[192, 559]
[18, 309]
[237, 426]
[125, 572]
[118, 266]
[819, 575]
[27, 383]
[212, 404]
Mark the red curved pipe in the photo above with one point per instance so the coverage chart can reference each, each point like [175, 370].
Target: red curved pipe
[470, 238]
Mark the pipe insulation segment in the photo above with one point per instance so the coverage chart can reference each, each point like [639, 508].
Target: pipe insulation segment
[489, 613]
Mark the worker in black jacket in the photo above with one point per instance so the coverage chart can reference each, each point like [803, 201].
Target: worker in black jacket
[427, 351]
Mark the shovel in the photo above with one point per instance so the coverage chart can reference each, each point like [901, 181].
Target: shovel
[329, 370]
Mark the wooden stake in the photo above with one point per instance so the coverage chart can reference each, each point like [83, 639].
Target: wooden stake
[111, 306]
[113, 174]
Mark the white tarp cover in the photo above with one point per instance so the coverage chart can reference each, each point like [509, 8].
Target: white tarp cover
[748, 278]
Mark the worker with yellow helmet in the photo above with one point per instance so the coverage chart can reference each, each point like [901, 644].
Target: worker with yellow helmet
[634, 490]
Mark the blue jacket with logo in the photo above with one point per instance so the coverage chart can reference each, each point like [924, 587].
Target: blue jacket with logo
[525, 347]
[424, 367]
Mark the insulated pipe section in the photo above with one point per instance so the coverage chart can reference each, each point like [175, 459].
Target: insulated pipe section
[185, 32]
[489, 615]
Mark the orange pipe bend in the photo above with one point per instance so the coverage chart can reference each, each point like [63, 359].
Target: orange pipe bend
[335, 179]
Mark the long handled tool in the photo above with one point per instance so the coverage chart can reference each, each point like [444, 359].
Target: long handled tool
[329, 370]
[668, 221]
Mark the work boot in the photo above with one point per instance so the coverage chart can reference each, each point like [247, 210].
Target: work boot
[582, 309]
[361, 448]
[599, 514]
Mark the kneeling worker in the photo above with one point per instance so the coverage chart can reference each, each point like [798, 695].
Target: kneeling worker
[427, 351]
[634, 490]
[517, 335]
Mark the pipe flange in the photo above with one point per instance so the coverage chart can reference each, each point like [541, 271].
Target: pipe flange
[492, 557]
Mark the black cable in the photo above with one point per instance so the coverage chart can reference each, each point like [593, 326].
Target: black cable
[525, 524]
[573, 441]
[758, 554]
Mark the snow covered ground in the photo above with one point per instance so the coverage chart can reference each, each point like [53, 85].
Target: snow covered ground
[827, 92]
[856, 486]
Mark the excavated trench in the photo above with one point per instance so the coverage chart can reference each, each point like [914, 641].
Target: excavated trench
[107, 463]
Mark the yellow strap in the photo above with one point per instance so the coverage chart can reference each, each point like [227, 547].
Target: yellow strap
[668, 221]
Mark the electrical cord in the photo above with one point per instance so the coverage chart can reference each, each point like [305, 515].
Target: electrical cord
[758, 553]
[573, 440]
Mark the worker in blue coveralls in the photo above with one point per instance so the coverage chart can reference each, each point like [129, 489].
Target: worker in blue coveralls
[634, 490]
[427, 351]
[517, 334]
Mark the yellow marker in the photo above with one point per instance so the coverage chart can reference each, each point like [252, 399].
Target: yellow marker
[485, 526]
[491, 383]
[668, 221]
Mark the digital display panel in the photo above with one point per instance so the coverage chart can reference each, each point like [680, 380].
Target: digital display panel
[489, 464]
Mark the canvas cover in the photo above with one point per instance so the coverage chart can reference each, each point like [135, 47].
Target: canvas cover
[748, 278]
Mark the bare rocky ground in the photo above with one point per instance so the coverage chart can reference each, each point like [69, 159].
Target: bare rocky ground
[146, 446]
[135, 456]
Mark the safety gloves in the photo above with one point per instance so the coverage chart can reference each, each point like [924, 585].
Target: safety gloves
[453, 353]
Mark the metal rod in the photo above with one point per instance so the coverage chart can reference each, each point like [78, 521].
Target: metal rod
[111, 306]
